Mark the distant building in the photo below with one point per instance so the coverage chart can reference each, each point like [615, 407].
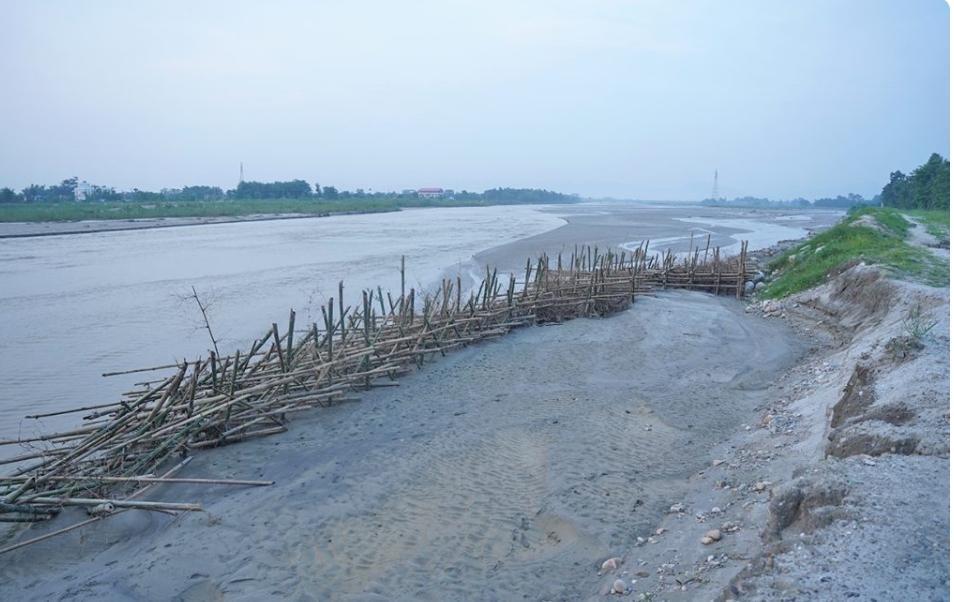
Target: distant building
[430, 193]
[82, 191]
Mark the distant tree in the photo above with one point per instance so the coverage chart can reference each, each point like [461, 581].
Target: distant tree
[34, 193]
[329, 192]
[931, 184]
[524, 195]
[317, 190]
[201, 193]
[294, 189]
[927, 187]
[895, 191]
[64, 191]
[8, 195]
[102, 193]
[145, 196]
[842, 201]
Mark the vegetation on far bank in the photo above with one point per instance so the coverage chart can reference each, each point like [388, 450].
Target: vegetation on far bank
[870, 234]
[926, 187]
[179, 204]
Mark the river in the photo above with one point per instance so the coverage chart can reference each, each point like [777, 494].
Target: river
[76, 306]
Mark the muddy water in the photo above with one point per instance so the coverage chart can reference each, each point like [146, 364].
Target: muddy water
[76, 306]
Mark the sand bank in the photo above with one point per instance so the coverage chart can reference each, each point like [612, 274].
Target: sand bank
[505, 469]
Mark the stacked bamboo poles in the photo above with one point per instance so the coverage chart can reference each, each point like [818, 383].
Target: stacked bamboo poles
[218, 400]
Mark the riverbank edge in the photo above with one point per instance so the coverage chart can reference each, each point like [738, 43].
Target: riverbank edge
[800, 504]
[35, 229]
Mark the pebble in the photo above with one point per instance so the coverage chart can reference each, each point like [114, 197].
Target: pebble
[714, 534]
[642, 574]
[611, 564]
[619, 587]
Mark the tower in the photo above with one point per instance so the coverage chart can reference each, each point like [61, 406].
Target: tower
[715, 187]
[241, 172]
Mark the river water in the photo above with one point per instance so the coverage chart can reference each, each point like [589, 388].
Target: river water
[76, 306]
[73, 307]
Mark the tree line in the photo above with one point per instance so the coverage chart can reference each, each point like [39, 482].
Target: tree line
[927, 187]
[292, 189]
[838, 202]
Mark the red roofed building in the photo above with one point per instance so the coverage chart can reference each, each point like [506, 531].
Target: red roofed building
[430, 193]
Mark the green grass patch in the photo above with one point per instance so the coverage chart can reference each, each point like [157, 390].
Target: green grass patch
[892, 219]
[851, 240]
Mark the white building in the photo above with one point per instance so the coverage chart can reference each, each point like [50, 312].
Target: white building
[82, 190]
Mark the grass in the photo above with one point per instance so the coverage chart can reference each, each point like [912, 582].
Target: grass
[810, 263]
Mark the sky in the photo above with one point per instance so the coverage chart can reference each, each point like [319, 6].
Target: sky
[631, 99]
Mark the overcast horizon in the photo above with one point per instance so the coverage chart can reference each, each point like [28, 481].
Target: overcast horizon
[638, 99]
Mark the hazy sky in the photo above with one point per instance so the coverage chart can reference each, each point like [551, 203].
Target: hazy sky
[624, 98]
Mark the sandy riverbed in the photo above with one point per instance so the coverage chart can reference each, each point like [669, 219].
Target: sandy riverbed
[505, 469]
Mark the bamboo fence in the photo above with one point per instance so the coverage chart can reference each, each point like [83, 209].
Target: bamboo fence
[216, 400]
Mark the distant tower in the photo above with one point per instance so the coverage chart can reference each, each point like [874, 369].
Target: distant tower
[715, 187]
[241, 172]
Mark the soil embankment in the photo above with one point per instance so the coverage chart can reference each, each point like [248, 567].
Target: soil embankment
[837, 486]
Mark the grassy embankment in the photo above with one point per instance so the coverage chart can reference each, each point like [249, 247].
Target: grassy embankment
[880, 238]
[72, 212]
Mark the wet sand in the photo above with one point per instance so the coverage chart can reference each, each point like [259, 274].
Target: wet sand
[505, 471]
[510, 468]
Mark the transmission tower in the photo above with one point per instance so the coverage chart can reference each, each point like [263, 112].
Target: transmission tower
[715, 187]
[241, 172]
